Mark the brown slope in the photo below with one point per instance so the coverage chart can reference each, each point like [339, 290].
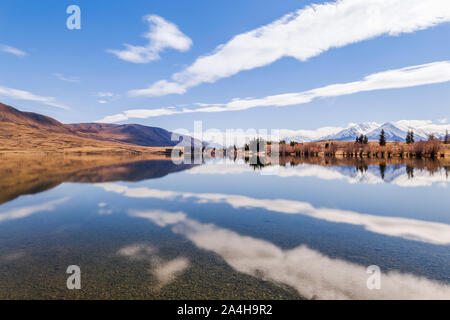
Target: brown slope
[127, 133]
[33, 120]
[32, 132]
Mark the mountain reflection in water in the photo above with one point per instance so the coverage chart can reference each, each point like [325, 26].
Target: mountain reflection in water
[30, 175]
[147, 228]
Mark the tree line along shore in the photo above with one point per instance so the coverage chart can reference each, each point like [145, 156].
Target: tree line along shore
[360, 148]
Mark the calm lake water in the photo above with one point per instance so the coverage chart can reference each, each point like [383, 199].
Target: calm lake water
[225, 229]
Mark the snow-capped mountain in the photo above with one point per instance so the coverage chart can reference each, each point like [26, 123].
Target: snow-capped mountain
[354, 130]
[394, 131]
[391, 132]
[309, 135]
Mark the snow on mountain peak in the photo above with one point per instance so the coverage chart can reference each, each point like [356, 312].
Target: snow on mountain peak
[394, 131]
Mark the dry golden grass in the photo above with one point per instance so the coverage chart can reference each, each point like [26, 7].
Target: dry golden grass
[31, 140]
[372, 149]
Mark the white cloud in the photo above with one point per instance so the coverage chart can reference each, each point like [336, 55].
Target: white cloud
[159, 217]
[398, 176]
[12, 50]
[169, 271]
[67, 79]
[410, 229]
[164, 271]
[106, 97]
[137, 251]
[431, 73]
[160, 88]
[105, 94]
[114, 118]
[28, 96]
[138, 114]
[311, 273]
[161, 35]
[23, 212]
[307, 33]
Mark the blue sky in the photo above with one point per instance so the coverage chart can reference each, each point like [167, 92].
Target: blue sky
[72, 68]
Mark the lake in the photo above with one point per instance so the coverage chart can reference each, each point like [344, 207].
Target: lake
[224, 229]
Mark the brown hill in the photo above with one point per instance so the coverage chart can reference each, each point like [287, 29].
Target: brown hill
[32, 120]
[32, 132]
[127, 133]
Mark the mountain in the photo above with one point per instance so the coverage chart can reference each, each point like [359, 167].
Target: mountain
[25, 131]
[352, 131]
[391, 132]
[309, 135]
[10, 117]
[127, 133]
[394, 131]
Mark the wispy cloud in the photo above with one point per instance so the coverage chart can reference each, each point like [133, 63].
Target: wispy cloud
[23, 212]
[66, 79]
[431, 73]
[28, 96]
[139, 114]
[12, 50]
[313, 274]
[164, 271]
[106, 97]
[104, 94]
[396, 176]
[304, 34]
[162, 34]
[411, 229]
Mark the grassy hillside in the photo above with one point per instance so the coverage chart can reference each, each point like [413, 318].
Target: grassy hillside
[26, 132]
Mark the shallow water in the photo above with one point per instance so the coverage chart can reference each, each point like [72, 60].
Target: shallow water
[224, 229]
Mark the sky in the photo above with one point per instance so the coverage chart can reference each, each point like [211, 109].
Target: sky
[231, 64]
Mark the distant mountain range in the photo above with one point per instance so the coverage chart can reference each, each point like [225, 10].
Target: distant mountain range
[127, 133]
[25, 131]
[394, 131]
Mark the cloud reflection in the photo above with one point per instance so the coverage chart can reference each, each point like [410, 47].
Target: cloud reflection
[23, 212]
[396, 176]
[164, 271]
[410, 229]
[311, 273]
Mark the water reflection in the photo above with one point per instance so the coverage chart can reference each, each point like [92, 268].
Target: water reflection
[30, 175]
[164, 271]
[313, 274]
[26, 211]
[410, 229]
[403, 173]
[220, 229]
